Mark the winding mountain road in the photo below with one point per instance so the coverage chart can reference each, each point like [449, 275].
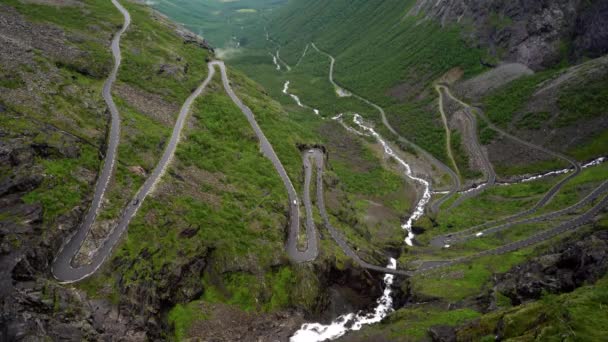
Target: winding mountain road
[532, 240]
[488, 169]
[496, 225]
[448, 132]
[312, 250]
[443, 240]
[64, 270]
[455, 239]
[316, 157]
[61, 268]
[434, 207]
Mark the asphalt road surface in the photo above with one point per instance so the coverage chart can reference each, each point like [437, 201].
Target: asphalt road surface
[316, 157]
[532, 240]
[312, 246]
[443, 240]
[488, 169]
[62, 267]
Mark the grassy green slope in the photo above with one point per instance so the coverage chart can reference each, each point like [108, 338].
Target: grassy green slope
[382, 54]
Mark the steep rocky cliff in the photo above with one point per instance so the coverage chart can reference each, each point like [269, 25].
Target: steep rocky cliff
[536, 33]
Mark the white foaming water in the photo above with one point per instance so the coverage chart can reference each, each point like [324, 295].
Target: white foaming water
[552, 173]
[592, 163]
[475, 188]
[595, 162]
[286, 88]
[316, 332]
[275, 61]
[347, 127]
[426, 197]
[296, 98]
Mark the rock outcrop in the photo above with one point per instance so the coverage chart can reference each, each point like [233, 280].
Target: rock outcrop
[564, 269]
[35, 307]
[537, 33]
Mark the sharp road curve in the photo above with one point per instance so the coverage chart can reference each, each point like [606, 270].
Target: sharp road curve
[317, 158]
[61, 267]
[294, 253]
[446, 239]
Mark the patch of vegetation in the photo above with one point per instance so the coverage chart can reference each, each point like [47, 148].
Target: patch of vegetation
[77, 22]
[466, 280]
[418, 123]
[62, 189]
[412, 324]
[275, 290]
[582, 102]
[595, 145]
[503, 104]
[533, 120]
[181, 318]
[376, 181]
[10, 80]
[486, 134]
[579, 316]
[512, 169]
[499, 22]
[156, 59]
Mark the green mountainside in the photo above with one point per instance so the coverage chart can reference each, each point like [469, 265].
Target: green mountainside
[445, 84]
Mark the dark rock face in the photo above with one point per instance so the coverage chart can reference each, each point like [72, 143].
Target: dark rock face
[442, 333]
[348, 290]
[591, 31]
[537, 33]
[565, 269]
[33, 306]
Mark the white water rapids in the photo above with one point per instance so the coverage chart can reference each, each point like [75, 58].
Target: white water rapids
[426, 197]
[275, 61]
[594, 162]
[296, 98]
[316, 332]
